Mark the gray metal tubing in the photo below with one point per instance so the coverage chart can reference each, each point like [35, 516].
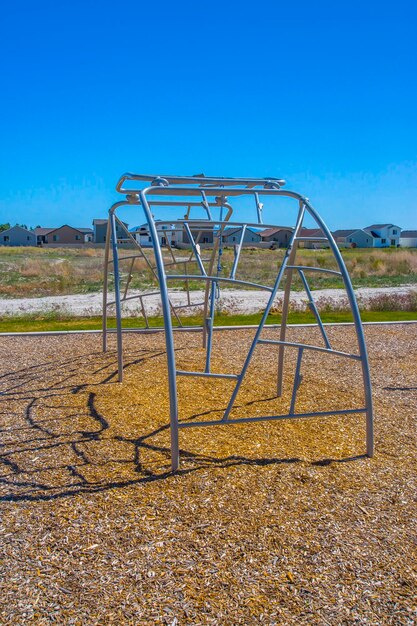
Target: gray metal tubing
[206, 374]
[204, 224]
[306, 346]
[269, 418]
[296, 380]
[194, 247]
[314, 309]
[141, 295]
[209, 324]
[192, 180]
[105, 286]
[238, 251]
[359, 330]
[259, 208]
[206, 205]
[217, 279]
[265, 315]
[112, 219]
[313, 269]
[169, 337]
[131, 256]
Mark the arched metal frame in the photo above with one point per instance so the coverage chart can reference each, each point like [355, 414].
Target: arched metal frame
[215, 192]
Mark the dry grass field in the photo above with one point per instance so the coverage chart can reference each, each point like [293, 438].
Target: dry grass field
[33, 272]
[271, 523]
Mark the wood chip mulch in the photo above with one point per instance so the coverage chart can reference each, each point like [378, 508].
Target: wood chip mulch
[265, 523]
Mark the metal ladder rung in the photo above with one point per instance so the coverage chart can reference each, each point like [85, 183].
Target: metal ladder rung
[185, 306]
[206, 374]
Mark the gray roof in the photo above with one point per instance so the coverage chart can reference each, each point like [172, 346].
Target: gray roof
[43, 231]
[344, 233]
[373, 226]
[7, 230]
[408, 233]
[84, 230]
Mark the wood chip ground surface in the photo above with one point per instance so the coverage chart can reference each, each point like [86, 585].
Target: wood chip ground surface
[267, 523]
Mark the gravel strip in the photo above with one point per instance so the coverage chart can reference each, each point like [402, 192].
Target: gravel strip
[266, 523]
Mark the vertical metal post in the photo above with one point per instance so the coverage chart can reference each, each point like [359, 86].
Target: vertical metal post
[359, 330]
[105, 285]
[284, 314]
[118, 305]
[297, 381]
[265, 314]
[169, 336]
[209, 322]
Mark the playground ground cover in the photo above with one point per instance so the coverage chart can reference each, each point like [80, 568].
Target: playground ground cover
[267, 523]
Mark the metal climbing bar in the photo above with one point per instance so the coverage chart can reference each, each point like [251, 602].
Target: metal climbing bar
[148, 193]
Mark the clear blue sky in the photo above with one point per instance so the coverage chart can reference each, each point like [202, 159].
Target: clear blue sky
[323, 94]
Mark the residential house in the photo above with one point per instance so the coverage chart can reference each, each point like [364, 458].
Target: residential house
[233, 236]
[314, 236]
[167, 233]
[42, 235]
[100, 230]
[353, 238]
[278, 236]
[17, 236]
[384, 235]
[200, 235]
[408, 239]
[66, 235]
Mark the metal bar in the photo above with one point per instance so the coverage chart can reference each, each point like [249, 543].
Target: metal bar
[130, 256]
[265, 314]
[169, 338]
[216, 247]
[293, 344]
[206, 374]
[359, 330]
[112, 219]
[195, 249]
[267, 418]
[284, 315]
[314, 309]
[129, 278]
[313, 269]
[237, 252]
[105, 286]
[142, 306]
[209, 326]
[259, 207]
[193, 180]
[206, 205]
[217, 279]
[186, 306]
[297, 380]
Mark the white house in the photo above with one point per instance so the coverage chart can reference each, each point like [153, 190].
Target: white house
[384, 235]
[17, 236]
[167, 233]
[408, 239]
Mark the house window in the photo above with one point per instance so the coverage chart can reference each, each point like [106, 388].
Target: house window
[394, 232]
[77, 237]
[233, 238]
[350, 239]
[383, 241]
[28, 238]
[205, 240]
[6, 238]
[104, 238]
[55, 238]
[149, 238]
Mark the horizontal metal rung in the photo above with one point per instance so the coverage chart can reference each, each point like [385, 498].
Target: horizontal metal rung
[206, 374]
[185, 306]
[310, 347]
[313, 269]
[133, 256]
[267, 418]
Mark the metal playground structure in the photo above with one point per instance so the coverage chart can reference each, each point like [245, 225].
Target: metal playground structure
[213, 198]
